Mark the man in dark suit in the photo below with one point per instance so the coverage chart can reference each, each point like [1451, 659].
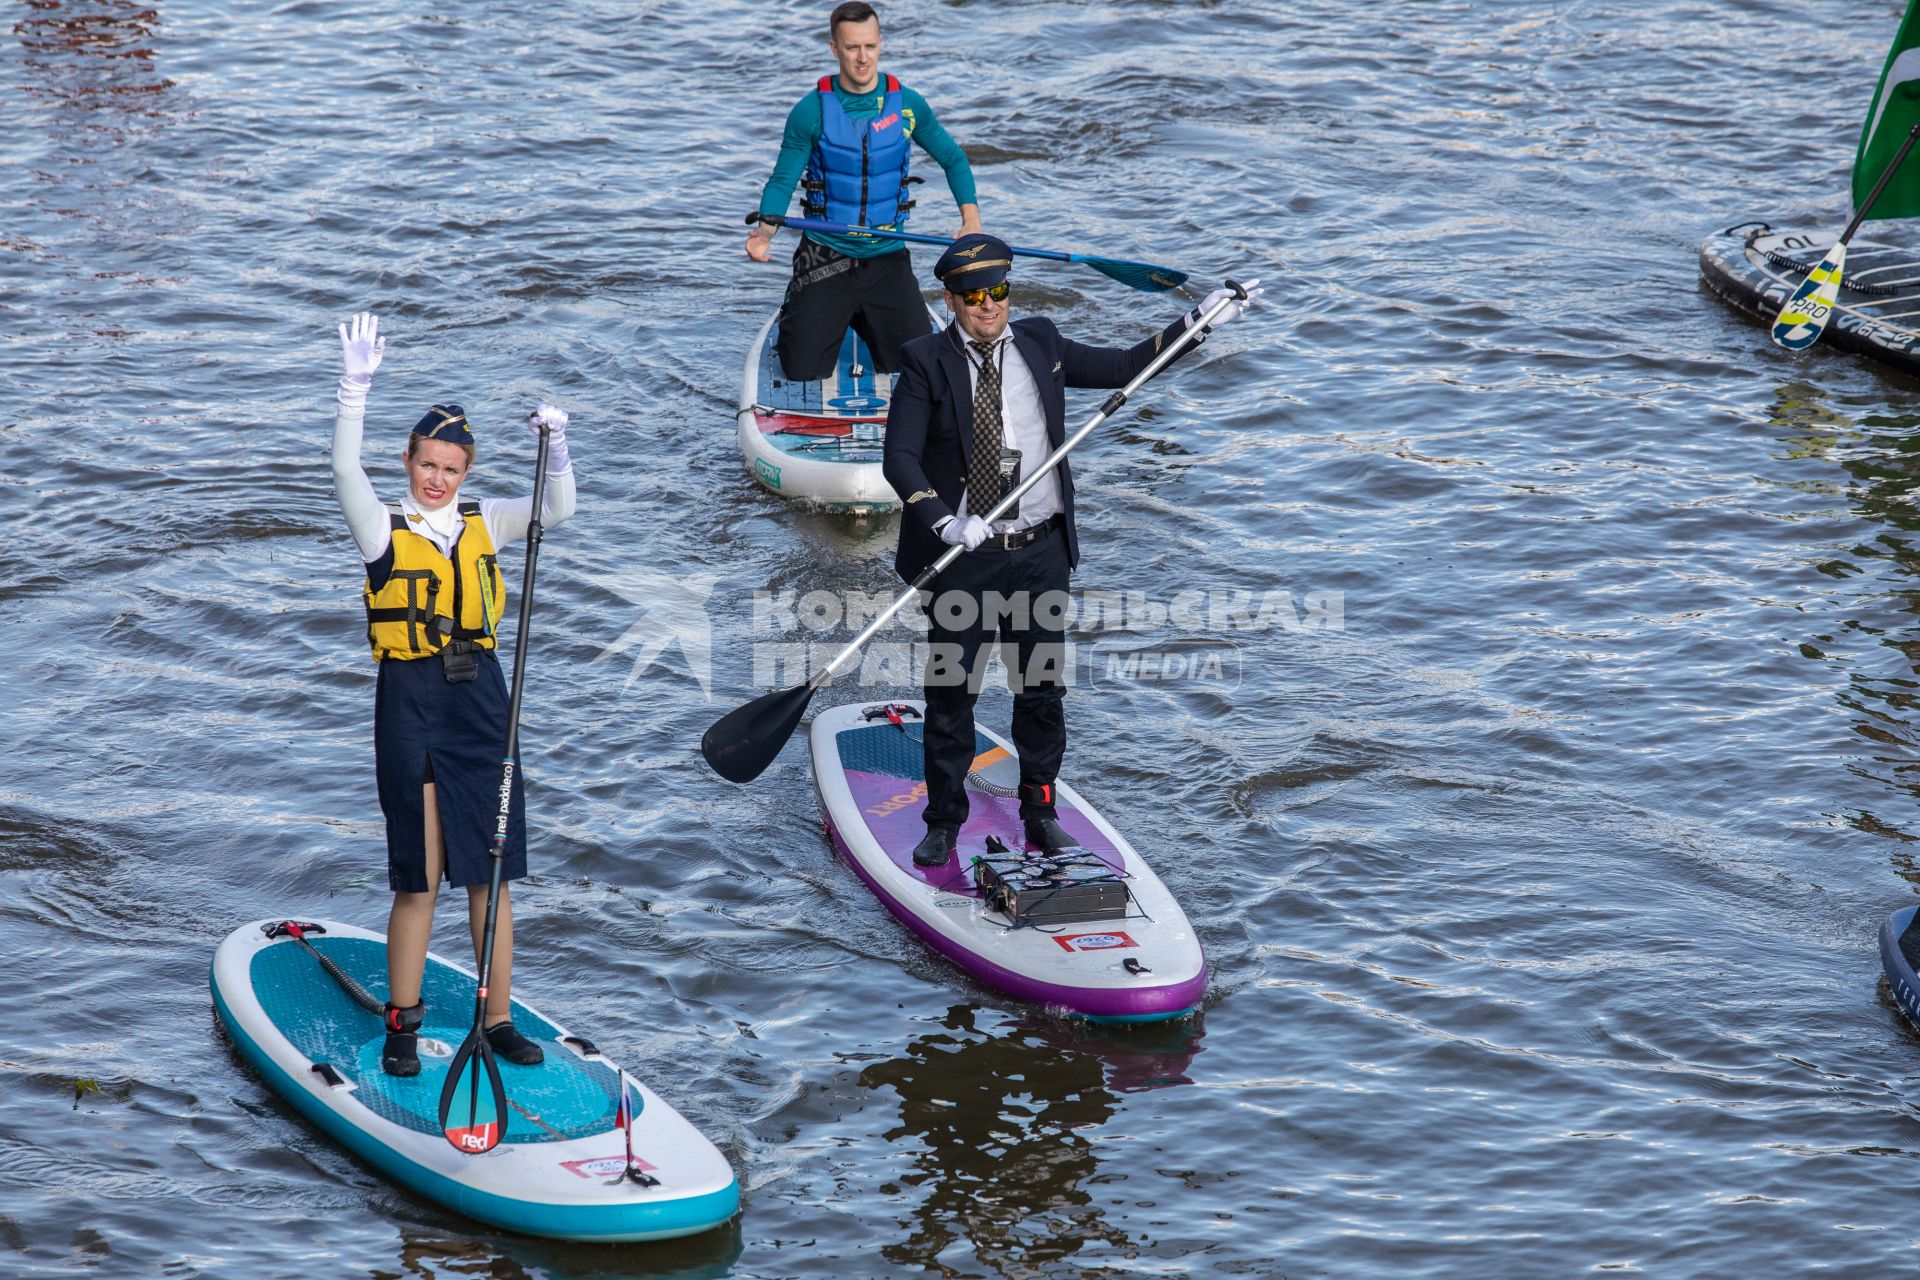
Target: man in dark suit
[975, 407]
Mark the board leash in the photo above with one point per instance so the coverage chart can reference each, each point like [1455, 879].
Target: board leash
[895, 712]
[298, 932]
[1786, 263]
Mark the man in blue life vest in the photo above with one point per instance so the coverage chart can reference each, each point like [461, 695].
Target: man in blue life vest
[852, 137]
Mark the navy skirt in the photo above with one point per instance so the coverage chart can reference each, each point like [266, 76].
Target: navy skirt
[453, 735]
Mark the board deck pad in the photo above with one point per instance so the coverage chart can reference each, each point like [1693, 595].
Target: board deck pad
[885, 769]
[853, 390]
[1877, 313]
[840, 418]
[563, 1097]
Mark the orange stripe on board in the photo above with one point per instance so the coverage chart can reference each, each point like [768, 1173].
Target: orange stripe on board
[985, 758]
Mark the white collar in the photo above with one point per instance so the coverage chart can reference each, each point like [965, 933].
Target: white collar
[961, 337]
[444, 522]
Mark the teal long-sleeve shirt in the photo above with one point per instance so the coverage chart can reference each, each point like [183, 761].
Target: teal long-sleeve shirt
[803, 130]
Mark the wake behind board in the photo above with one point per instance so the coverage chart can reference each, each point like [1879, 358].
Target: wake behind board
[560, 1169]
[1757, 269]
[818, 442]
[1097, 935]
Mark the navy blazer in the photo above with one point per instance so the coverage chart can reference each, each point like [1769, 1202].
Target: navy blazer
[930, 421]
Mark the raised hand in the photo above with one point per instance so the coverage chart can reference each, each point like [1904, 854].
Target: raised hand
[361, 347]
[549, 418]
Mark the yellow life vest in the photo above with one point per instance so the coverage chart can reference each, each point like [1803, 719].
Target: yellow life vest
[428, 599]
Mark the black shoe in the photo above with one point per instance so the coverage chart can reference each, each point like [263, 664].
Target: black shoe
[936, 847]
[513, 1046]
[1048, 834]
[401, 1056]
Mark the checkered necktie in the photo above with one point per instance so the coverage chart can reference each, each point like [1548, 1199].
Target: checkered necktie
[985, 486]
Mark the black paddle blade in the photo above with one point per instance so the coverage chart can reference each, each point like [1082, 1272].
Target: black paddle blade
[743, 742]
[473, 1102]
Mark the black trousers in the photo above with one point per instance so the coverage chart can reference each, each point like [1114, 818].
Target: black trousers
[984, 594]
[877, 298]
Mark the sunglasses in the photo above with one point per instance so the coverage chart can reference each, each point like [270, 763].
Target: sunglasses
[978, 297]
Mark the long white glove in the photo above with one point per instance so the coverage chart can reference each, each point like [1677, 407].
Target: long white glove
[554, 419]
[968, 533]
[1233, 312]
[361, 351]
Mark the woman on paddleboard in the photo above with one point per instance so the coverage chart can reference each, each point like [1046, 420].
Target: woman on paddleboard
[434, 597]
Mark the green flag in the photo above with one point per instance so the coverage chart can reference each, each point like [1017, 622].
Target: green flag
[1895, 110]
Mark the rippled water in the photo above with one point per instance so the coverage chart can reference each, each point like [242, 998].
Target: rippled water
[1540, 893]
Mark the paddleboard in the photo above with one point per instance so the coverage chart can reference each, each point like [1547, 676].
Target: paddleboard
[1757, 269]
[817, 442]
[1900, 957]
[560, 1169]
[1137, 961]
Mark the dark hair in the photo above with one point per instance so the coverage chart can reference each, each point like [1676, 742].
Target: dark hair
[851, 11]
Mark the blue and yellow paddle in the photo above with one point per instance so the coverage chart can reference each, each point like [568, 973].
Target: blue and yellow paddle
[1144, 276]
[1804, 318]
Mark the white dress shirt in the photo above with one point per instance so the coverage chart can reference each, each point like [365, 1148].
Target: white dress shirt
[1023, 426]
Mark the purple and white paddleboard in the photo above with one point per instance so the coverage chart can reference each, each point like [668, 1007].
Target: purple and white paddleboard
[1145, 965]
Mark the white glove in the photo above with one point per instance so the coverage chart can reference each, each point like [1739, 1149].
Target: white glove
[555, 421]
[968, 533]
[361, 348]
[1237, 309]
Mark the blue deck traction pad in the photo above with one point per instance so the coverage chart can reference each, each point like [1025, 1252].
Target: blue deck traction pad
[564, 1097]
[884, 750]
[854, 394]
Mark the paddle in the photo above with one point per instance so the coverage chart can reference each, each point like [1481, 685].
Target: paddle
[1143, 276]
[1804, 318]
[474, 1122]
[742, 743]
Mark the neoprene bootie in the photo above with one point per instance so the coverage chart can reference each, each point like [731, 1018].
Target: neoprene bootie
[401, 1056]
[1048, 834]
[936, 847]
[513, 1046]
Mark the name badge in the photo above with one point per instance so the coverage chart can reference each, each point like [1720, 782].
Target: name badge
[1010, 479]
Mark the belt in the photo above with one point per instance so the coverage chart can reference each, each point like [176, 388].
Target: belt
[1023, 537]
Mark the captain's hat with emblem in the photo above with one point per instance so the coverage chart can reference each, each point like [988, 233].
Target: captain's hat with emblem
[975, 261]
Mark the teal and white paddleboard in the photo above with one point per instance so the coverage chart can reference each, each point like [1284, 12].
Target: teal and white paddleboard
[560, 1170]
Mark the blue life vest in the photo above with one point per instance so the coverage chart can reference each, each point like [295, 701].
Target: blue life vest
[858, 171]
